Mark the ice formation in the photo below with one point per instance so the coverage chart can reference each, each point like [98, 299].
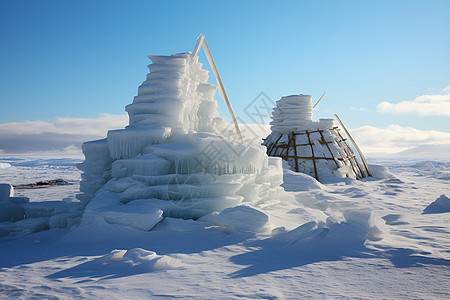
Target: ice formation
[175, 158]
[316, 148]
[20, 216]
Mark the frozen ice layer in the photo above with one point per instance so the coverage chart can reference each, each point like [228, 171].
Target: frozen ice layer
[142, 165]
[138, 214]
[175, 158]
[96, 168]
[129, 142]
[19, 216]
[6, 191]
[291, 111]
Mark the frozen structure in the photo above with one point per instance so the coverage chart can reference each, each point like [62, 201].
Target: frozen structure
[176, 157]
[20, 216]
[316, 148]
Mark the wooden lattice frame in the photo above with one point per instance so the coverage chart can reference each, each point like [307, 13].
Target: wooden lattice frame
[283, 149]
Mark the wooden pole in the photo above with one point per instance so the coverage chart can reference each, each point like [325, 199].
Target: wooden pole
[356, 167]
[201, 41]
[329, 150]
[295, 152]
[319, 100]
[363, 159]
[312, 154]
[269, 152]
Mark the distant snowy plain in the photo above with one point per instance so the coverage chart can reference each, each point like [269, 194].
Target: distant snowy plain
[409, 259]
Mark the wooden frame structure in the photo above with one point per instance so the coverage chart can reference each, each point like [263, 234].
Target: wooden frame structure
[345, 156]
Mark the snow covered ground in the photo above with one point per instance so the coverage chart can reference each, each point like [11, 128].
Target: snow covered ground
[320, 242]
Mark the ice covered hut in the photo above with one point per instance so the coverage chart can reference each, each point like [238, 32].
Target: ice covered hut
[316, 148]
[176, 158]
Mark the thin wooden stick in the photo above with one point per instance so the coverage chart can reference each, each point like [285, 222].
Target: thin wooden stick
[295, 153]
[269, 152]
[329, 150]
[312, 154]
[287, 149]
[222, 92]
[319, 158]
[366, 166]
[349, 152]
[319, 100]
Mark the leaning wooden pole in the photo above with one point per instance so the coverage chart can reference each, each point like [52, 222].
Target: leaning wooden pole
[363, 159]
[319, 100]
[202, 42]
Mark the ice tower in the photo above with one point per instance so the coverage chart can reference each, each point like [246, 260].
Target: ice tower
[175, 158]
[316, 148]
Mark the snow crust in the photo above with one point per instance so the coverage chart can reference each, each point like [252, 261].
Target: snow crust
[137, 258]
[273, 249]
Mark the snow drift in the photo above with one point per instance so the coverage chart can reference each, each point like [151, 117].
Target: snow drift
[440, 205]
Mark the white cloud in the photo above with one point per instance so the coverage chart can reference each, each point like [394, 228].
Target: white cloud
[446, 90]
[87, 126]
[377, 142]
[64, 135]
[426, 105]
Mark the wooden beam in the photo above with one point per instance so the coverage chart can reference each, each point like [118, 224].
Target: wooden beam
[269, 152]
[349, 152]
[329, 150]
[295, 153]
[312, 154]
[319, 100]
[366, 166]
[201, 41]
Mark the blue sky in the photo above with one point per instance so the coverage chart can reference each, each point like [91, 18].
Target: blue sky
[79, 59]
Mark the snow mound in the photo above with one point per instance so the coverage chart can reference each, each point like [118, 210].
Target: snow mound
[303, 234]
[142, 259]
[394, 219]
[440, 205]
[365, 219]
[357, 226]
[239, 218]
[300, 181]
[380, 172]
[5, 166]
